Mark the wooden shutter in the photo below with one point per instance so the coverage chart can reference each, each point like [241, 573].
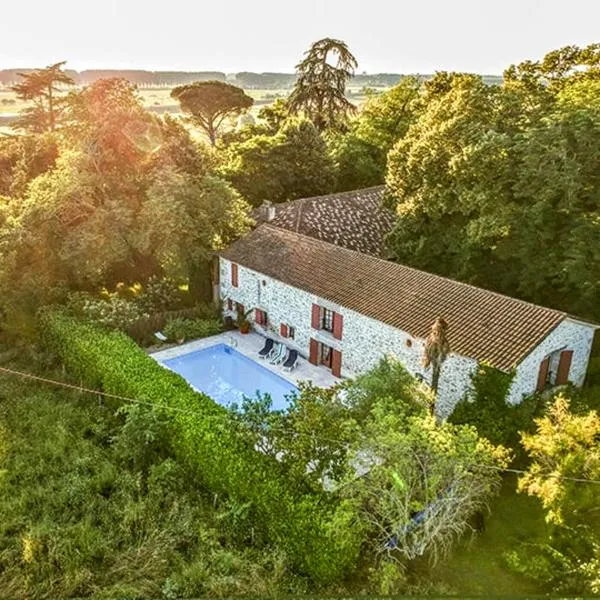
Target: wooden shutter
[234, 275]
[316, 316]
[338, 325]
[313, 356]
[564, 366]
[283, 330]
[336, 363]
[543, 374]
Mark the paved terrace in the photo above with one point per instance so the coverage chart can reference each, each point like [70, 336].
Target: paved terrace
[249, 344]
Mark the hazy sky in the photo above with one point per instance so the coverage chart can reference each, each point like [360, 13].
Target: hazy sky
[270, 35]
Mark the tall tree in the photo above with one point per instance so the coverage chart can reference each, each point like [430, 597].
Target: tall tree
[98, 217]
[291, 164]
[211, 102]
[320, 90]
[360, 154]
[40, 88]
[437, 348]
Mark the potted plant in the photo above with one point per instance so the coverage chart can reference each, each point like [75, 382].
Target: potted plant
[243, 322]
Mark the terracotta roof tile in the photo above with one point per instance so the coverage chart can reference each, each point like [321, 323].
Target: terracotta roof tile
[356, 220]
[483, 325]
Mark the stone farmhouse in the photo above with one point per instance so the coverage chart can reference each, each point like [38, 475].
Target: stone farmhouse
[345, 309]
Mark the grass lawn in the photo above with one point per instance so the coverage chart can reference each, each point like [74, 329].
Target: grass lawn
[477, 567]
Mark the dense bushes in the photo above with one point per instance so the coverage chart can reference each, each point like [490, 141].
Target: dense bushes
[322, 540]
[486, 408]
[180, 329]
[94, 504]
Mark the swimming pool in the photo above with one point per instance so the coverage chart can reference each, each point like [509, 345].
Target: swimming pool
[227, 376]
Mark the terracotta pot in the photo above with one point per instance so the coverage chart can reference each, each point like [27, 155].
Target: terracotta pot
[245, 328]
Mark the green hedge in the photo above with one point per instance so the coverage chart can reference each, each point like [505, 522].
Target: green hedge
[322, 537]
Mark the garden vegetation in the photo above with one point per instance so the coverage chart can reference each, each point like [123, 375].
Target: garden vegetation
[109, 218]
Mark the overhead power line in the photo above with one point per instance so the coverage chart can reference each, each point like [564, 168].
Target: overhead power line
[82, 389]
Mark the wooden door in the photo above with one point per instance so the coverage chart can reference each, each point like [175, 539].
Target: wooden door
[313, 355]
[543, 374]
[564, 367]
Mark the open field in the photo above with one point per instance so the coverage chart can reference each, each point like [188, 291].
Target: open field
[159, 100]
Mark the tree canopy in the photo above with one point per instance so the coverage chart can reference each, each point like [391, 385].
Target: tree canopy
[129, 196]
[40, 88]
[320, 89]
[482, 174]
[211, 102]
[292, 163]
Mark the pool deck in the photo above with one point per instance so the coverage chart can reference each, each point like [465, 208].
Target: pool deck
[249, 344]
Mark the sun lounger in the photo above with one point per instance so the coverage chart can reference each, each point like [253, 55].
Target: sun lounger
[278, 354]
[291, 360]
[266, 349]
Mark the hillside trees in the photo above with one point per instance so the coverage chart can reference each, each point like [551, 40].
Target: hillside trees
[40, 88]
[319, 91]
[211, 102]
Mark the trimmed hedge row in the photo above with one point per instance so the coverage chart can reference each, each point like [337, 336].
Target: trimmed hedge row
[321, 537]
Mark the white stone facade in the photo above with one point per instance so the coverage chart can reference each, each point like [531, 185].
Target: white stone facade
[569, 335]
[365, 341]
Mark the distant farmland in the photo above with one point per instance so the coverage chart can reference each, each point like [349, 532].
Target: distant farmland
[155, 87]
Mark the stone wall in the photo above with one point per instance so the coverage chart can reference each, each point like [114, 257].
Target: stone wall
[569, 335]
[365, 341]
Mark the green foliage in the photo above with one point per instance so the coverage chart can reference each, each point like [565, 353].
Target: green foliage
[419, 482]
[94, 503]
[22, 159]
[360, 155]
[128, 197]
[387, 384]
[563, 449]
[481, 175]
[210, 103]
[372, 442]
[310, 528]
[564, 445]
[179, 329]
[485, 408]
[293, 163]
[319, 91]
[160, 294]
[358, 164]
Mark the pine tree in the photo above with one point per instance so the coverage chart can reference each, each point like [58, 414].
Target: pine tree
[320, 89]
[39, 87]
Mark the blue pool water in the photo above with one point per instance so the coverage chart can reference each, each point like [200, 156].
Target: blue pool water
[227, 376]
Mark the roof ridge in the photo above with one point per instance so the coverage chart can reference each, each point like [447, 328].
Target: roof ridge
[331, 195]
[414, 269]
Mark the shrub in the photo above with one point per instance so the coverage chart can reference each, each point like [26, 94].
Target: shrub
[321, 537]
[160, 294]
[115, 312]
[485, 408]
[180, 329]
